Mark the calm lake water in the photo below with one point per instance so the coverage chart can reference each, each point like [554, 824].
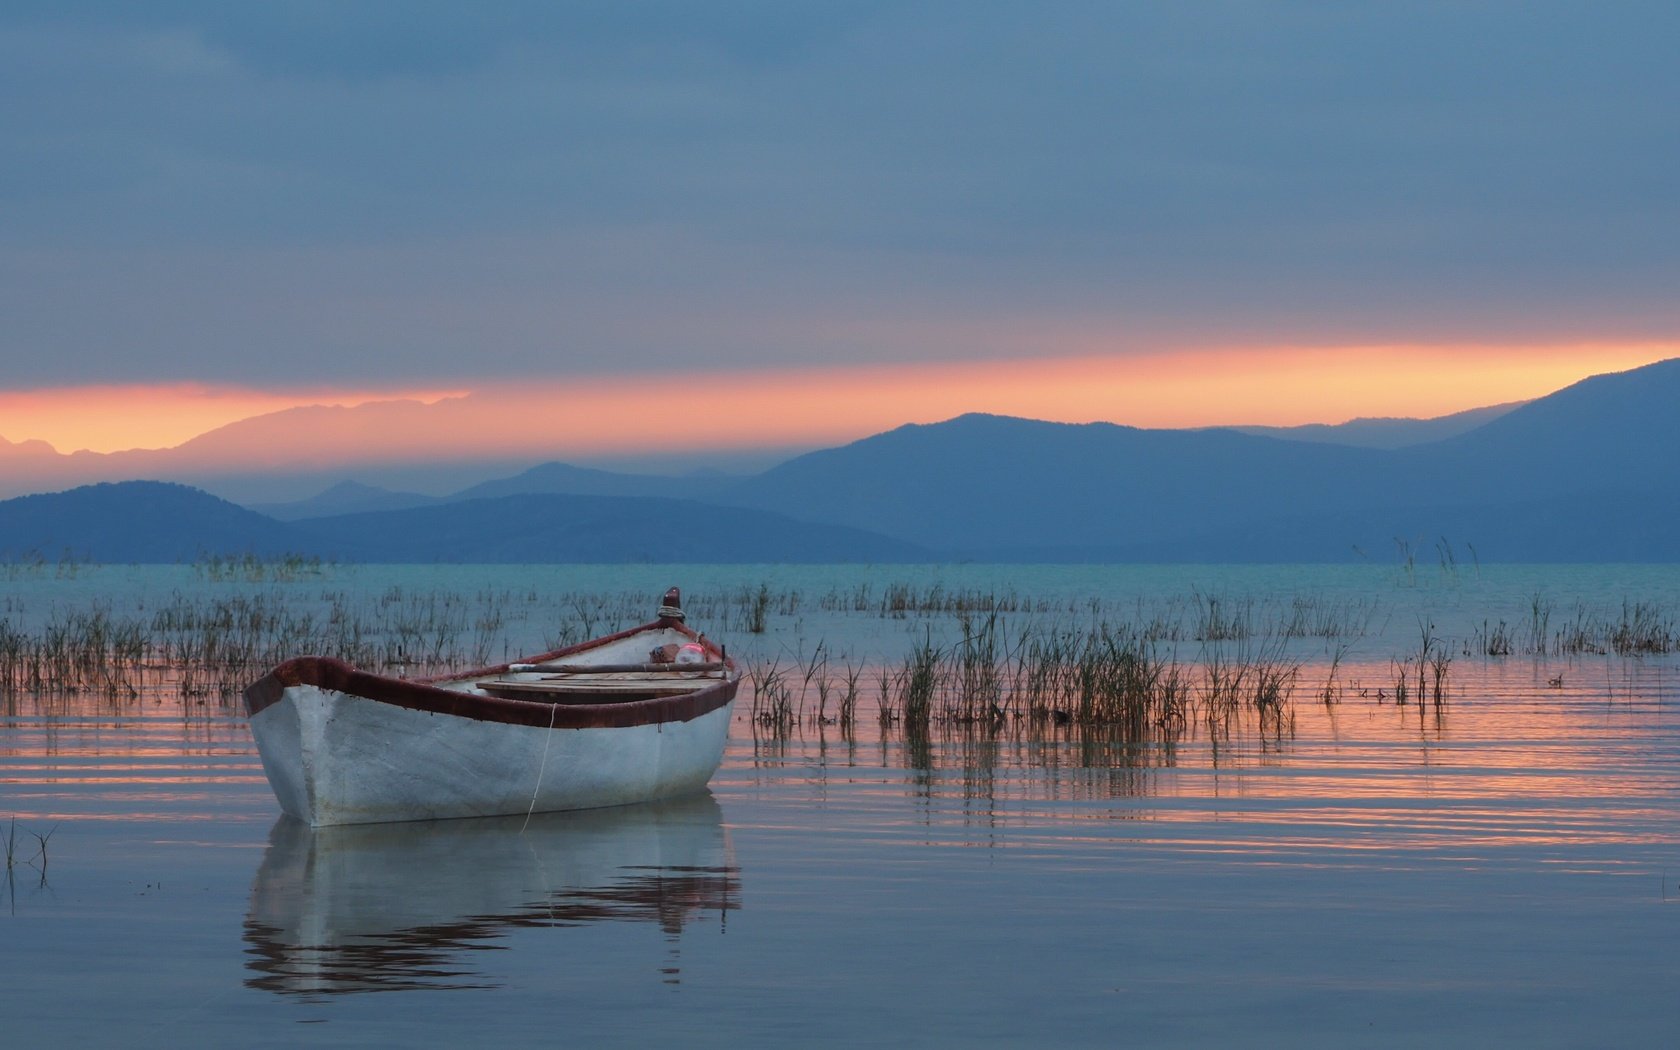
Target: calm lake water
[1501, 869]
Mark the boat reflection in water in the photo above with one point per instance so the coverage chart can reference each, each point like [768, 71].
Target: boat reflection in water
[386, 907]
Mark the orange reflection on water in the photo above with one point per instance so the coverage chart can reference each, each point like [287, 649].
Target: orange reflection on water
[1507, 761]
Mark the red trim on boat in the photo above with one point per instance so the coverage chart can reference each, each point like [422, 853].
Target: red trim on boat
[420, 694]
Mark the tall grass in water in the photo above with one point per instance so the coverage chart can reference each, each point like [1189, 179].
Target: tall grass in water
[918, 682]
[772, 698]
[1330, 690]
[847, 713]
[253, 568]
[73, 654]
[756, 608]
[1434, 658]
[981, 663]
[1644, 630]
[1107, 676]
[1121, 681]
[987, 657]
[1223, 620]
[1539, 624]
[901, 600]
[1249, 677]
[1315, 617]
[1493, 641]
[1641, 629]
[1421, 677]
[214, 646]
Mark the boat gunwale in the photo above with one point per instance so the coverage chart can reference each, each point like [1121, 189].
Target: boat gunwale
[428, 694]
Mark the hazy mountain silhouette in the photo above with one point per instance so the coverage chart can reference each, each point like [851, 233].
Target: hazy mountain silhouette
[986, 482]
[153, 522]
[536, 528]
[346, 497]
[1386, 432]
[267, 458]
[135, 521]
[19, 451]
[349, 497]
[1619, 431]
[1585, 474]
[565, 479]
[1518, 487]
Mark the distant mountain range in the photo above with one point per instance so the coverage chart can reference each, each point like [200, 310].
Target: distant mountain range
[554, 478]
[1387, 432]
[152, 521]
[138, 522]
[289, 462]
[292, 451]
[1585, 474]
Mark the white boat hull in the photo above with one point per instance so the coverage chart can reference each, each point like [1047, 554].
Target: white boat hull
[635, 716]
[336, 758]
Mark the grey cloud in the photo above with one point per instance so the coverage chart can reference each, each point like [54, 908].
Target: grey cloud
[1304, 170]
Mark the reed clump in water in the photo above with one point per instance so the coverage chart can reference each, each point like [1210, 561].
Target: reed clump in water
[901, 600]
[215, 646]
[756, 609]
[1221, 620]
[1422, 678]
[255, 568]
[1638, 629]
[1641, 629]
[1106, 675]
[1428, 653]
[1318, 617]
[1539, 623]
[1496, 640]
[82, 652]
[1068, 661]
[1252, 676]
[772, 699]
[1330, 689]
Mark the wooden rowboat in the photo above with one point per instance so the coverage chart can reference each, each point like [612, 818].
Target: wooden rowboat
[634, 716]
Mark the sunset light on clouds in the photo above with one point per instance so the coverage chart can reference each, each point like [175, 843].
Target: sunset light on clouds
[596, 419]
[591, 233]
[115, 418]
[1176, 505]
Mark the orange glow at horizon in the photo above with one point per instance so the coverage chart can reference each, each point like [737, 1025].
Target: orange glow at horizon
[638, 414]
[117, 418]
[1170, 390]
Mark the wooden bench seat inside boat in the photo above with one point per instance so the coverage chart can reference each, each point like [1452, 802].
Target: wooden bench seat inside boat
[567, 690]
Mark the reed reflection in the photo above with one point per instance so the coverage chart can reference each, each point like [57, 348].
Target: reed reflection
[393, 907]
[1504, 756]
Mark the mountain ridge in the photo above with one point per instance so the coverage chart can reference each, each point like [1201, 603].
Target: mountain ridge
[1584, 473]
[305, 450]
[1387, 432]
[151, 522]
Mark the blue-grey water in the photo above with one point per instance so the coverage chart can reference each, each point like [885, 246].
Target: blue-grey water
[1501, 869]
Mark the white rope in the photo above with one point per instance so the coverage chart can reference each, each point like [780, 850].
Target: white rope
[541, 767]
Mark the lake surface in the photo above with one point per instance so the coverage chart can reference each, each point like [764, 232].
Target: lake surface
[1502, 868]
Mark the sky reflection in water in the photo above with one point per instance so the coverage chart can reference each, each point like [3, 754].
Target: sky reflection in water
[1503, 868]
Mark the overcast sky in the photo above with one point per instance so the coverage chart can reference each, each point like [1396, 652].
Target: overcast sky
[429, 193]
